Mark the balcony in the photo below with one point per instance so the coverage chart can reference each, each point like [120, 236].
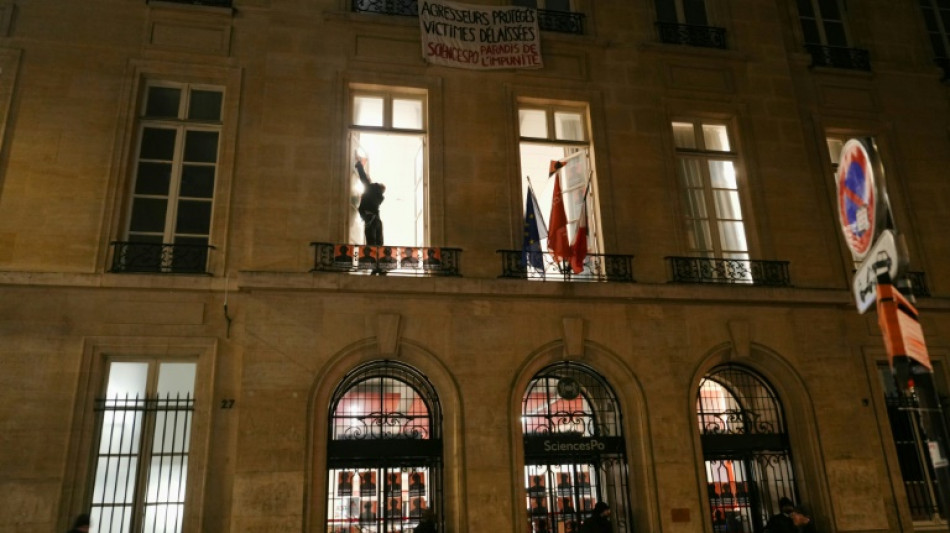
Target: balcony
[731, 271]
[839, 57]
[689, 35]
[386, 260]
[139, 257]
[548, 20]
[597, 267]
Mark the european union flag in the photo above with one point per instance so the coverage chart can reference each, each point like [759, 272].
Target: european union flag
[534, 231]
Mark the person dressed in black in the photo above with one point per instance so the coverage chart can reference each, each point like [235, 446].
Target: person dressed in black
[368, 209]
[427, 523]
[599, 520]
[789, 520]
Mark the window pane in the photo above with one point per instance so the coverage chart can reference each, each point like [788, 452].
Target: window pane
[163, 102]
[158, 143]
[834, 32]
[716, 137]
[696, 204]
[197, 181]
[723, 174]
[695, 11]
[834, 149]
[733, 236]
[810, 32]
[689, 173]
[727, 204]
[201, 146]
[205, 105]
[558, 5]
[368, 111]
[407, 114]
[153, 178]
[829, 9]
[148, 214]
[569, 126]
[176, 378]
[698, 236]
[193, 217]
[683, 135]
[805, 8]
[666, 11]
[533, 123]
[127, 379]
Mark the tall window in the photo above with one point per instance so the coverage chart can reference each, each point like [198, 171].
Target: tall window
[691, 12]
[823, 22]
[706, 171]
[388, 136]
[144, 424]
[912, 445]
[746, 450]
[384, 450]
[574, 449]
[559, 135]
[937, 18]
[169, 222]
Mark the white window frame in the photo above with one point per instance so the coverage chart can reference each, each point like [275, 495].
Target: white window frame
[680, 9]
[821, 21]
[712, 219]
[129, 433]
[182, 126]
[393, 206]
[543, 184]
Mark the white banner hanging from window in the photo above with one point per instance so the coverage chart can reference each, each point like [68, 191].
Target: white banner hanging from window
[479, 37]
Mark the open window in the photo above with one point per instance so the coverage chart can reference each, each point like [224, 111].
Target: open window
[388, 136]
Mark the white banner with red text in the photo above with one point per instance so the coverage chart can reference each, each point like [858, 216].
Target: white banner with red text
[479, 37]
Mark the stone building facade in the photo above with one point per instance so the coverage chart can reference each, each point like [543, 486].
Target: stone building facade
[185, 346]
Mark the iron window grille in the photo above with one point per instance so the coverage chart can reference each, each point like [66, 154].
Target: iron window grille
[574, 449]
[730, 271]
[384, 450]
[747, 457]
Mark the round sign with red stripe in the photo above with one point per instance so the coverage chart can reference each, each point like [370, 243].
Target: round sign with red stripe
[858, 211]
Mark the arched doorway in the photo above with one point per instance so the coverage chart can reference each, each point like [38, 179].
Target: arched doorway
[384, 451]
[574, 449]
[746, 452]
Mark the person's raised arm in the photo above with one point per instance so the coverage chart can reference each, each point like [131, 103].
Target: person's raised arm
[359, 169]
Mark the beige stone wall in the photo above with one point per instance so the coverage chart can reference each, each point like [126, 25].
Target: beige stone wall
[70, 78]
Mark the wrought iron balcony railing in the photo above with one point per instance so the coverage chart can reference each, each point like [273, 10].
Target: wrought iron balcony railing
[702, 36]
[130, 257]
[548, 20]
[214, 3]
[597, 267]
[386, 260]
[561, 21]
[839, 57]
[720, 270]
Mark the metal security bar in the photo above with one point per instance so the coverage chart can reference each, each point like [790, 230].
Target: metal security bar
[142, 463]
[157, 258]
[386, 260]
[597, 267]
[720, 270]
[913, 458]
[384, 450]
[745, 444]
[839, 57]
[574, 449]
[701, 36]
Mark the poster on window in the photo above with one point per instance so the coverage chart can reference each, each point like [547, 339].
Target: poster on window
[479, 37]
